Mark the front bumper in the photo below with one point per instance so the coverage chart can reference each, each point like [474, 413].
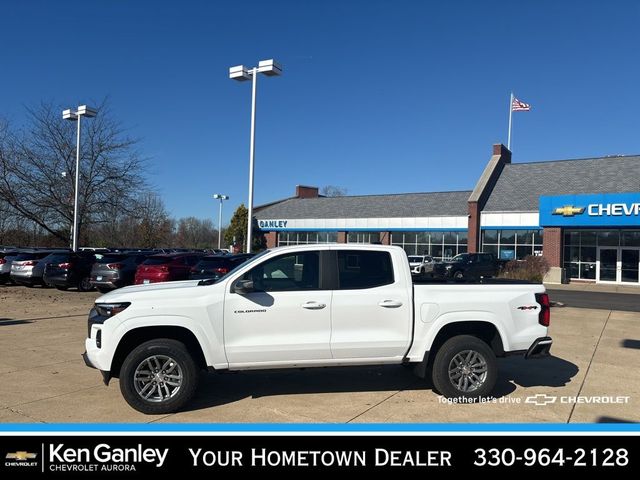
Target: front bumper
[539, 348]
[106, 376]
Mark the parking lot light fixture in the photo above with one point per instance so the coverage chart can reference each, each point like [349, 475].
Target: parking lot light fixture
[240, 73]
[74, 116]
[222, 198]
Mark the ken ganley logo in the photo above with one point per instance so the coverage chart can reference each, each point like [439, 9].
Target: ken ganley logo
[103, 458]
[20, 459]
[568, 211]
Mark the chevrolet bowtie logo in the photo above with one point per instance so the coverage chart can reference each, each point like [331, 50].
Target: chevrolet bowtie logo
[541, 399]
[568, 211]
[21, 456]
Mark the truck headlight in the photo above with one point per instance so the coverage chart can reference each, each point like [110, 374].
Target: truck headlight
[108, 310]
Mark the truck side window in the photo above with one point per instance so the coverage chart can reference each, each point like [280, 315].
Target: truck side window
[358, 269]
[289, 272]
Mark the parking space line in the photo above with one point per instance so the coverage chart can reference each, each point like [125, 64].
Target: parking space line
[381, 402]
[593, 354]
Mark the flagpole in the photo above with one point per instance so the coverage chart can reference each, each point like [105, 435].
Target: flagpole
[510, 115]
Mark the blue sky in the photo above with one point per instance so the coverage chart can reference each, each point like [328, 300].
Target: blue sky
[376, 96]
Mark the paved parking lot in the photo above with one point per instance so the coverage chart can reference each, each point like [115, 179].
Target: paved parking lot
[43, 378]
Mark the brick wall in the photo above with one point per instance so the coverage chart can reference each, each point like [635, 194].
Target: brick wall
[552, 246]
[303, 191]
[473, 241]
[272, 239]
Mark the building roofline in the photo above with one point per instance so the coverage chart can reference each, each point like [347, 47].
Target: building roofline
[576, 159]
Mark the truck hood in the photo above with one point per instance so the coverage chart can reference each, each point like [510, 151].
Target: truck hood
[149, 291]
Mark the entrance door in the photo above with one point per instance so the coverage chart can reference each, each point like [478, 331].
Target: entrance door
[630, 263]
[607, 264]
[618, 265]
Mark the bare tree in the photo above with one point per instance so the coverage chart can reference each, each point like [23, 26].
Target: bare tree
[333, 191]
[37, 170]
[192, 232]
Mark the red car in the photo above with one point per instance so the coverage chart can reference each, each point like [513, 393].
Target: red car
[166, 268]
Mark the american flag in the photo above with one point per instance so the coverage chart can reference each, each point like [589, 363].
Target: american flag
[519, 106]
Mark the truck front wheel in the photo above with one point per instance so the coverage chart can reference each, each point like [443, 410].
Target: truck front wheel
[159, 376]
[465, 367]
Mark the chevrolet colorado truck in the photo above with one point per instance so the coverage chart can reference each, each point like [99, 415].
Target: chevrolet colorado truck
[312, 306]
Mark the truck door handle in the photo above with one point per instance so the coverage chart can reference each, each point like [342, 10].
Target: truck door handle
[390, 304]
[313, 305]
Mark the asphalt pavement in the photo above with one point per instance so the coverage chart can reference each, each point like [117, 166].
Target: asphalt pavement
[597, 300]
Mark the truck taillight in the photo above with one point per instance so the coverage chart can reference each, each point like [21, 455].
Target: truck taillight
[544, 317]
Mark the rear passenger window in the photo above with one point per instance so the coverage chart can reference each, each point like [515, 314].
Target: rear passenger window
[358, 269]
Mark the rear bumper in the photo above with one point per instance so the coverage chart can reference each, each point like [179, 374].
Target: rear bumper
[64, 280]
[540, 348]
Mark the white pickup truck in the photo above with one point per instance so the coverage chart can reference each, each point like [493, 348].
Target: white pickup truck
[312, 306]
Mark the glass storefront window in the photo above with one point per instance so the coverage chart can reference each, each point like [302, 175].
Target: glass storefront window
[512, 244]
[606, 237]
[630, 239]
[490, 236]
[439, 244]
[305, 238]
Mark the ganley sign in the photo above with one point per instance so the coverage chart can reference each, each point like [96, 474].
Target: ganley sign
[591, 210]
[272, 224]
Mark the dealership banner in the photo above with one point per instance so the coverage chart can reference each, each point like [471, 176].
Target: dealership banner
[189, 456]
[591, 210]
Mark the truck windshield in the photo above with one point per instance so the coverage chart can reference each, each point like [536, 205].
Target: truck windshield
[211, 281]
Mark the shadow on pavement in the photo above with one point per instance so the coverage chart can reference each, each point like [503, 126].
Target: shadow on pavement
[220, 389]
[11, 321]
[612, 420]
[546, 372]
[629, 343]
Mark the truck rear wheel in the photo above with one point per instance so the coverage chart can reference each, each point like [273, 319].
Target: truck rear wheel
[465, 367]
[159, 376]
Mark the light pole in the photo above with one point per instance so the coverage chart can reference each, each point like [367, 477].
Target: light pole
[271, 68]
[69, 114]
[218, 196]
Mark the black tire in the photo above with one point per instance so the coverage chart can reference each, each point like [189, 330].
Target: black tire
[161, 347]
[62, 288]
[458, 275]
[444, 362]
[84, 285]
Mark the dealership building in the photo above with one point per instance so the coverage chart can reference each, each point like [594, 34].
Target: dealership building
[582, 215]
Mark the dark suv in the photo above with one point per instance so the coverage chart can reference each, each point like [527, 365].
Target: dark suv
[69, 270]
[115, 270]
[468, 266]
[216, 266]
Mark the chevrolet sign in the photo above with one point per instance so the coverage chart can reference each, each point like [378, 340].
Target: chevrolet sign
[568, 211]
[593, 210]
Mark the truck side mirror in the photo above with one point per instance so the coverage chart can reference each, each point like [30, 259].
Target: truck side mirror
[243, 287]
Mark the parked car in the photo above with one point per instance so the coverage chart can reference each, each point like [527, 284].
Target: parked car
[28, 269]
[6, 259]
[421, 264]
[69, 270]
[468, 266]
[216, 266]
[314, 306]
[115, 270]
[166, 267]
